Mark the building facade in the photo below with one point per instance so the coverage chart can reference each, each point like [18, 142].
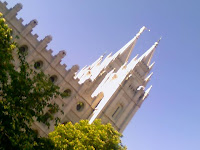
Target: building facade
[112, 88]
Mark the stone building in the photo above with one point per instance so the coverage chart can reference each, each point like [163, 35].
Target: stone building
[112, 88]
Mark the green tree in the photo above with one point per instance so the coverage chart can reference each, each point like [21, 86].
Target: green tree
[85, 136]
[24, 94]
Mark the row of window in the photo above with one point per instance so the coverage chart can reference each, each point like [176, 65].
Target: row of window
[38, 65]
[80, 106]
[116, 114]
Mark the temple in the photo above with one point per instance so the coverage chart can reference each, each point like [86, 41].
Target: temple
[113, 88]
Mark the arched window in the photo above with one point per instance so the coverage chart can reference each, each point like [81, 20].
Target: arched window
[53, 78]
[66, 93]
[80, 106]
[116, 114]
[38, 64]
[23, 49]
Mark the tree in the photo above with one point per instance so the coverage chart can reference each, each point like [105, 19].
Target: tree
[85, 136]
[24, 93]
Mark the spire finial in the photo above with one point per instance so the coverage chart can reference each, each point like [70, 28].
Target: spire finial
[156, 43]
[146, 57]
[140, 32]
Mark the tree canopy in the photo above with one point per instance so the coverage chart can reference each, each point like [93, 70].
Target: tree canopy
[85, 136]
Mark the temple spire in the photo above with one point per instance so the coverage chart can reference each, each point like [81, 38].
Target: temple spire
[147, 92]
[146, 80]
[147, 56]
[97, 62]
[151, 66]
[125, 52]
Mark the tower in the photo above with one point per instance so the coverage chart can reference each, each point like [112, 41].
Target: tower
[124, 91]
[112, 88]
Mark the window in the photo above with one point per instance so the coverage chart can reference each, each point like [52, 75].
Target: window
[38, 64]
[66, 93]
[53, 78]
[117, 112]
[79, 106]
[23, 49]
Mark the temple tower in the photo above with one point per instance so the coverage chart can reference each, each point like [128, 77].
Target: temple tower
[124, 91]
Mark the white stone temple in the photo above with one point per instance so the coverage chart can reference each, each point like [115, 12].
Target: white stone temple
[112, 88]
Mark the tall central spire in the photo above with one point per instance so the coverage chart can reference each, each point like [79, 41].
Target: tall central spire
[125, 52]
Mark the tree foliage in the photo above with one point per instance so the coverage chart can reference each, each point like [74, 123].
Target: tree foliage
[85, 136]
[24, 93]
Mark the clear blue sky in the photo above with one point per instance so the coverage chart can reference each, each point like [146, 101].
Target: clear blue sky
[169, 119]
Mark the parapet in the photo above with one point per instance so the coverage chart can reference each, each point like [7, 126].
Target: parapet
[25, 32]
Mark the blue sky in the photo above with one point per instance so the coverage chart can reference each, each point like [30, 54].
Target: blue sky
[169, 119]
